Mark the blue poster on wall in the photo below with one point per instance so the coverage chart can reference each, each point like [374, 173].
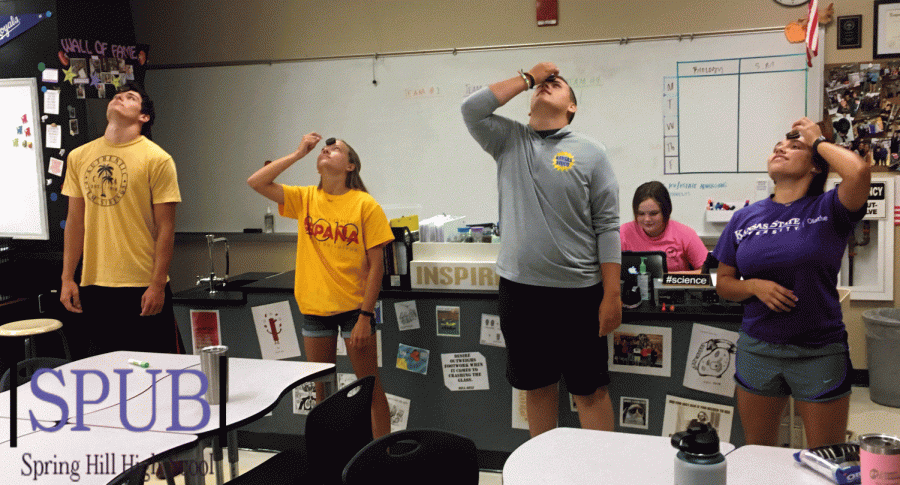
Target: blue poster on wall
[13, 25]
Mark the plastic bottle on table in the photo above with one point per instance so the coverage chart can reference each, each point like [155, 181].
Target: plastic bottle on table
[477, 234]
[269, 221]
[643, 280]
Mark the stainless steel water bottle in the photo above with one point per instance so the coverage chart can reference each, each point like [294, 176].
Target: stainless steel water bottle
[698, 461]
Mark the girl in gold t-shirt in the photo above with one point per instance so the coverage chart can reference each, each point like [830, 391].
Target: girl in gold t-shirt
[341, 235]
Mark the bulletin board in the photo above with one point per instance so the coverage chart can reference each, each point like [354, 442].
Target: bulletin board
[698, 114]
[24, 213]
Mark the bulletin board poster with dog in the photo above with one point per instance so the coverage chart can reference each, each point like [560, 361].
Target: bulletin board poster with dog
[641, 349]
[710, 363]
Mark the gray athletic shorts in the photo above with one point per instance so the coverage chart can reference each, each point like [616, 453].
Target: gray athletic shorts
[808, 374]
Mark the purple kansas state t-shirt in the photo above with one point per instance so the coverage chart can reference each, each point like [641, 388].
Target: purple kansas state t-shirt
[799, 246]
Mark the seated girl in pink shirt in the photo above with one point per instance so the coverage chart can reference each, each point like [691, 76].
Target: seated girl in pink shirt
[652, 230]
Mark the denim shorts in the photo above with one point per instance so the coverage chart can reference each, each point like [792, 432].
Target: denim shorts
[808, 374]
[327, 326]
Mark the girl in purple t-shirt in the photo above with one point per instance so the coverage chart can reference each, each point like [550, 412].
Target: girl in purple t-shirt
[781, 257]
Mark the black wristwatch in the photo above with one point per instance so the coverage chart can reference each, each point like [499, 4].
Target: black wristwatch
[371, 315]
[815, 145]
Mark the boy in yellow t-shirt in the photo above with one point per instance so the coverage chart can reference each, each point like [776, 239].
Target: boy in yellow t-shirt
[122, 191]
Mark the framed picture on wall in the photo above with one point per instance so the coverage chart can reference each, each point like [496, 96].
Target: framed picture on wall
[886, 29]
[640, 349]
[849, 35]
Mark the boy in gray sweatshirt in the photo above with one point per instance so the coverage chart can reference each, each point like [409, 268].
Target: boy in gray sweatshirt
[559, 264]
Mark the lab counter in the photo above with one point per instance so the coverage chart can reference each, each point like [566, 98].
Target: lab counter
[484, 415]
[725, 313]
[232, 292]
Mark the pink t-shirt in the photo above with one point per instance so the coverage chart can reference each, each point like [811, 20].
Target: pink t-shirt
[683, 247]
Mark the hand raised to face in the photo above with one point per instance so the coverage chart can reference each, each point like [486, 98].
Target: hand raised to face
[309, 141]
[807, 130]
[543, 72]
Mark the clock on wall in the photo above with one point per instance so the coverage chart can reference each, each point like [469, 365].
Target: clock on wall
[791, 3]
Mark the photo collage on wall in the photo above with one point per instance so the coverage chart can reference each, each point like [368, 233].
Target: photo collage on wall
[862, 102]
[99, 76]
[96, 69]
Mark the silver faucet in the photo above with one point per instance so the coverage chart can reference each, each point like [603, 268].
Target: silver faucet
[212, 279]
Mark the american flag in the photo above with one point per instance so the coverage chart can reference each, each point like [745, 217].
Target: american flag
[812, 32]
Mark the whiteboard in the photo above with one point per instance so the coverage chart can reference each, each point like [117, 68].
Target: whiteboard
[24, 212]
[704, 136]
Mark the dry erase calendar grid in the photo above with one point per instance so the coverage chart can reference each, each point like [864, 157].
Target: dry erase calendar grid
[724, 115]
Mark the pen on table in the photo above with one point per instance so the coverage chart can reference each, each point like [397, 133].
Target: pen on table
[139, 363]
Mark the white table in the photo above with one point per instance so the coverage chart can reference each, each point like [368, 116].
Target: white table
[23, 427]
[96, 457]
[255, 386]
[755, 465]
[572, 456]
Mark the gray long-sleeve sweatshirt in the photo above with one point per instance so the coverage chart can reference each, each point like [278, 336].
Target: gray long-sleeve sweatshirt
[559, 199]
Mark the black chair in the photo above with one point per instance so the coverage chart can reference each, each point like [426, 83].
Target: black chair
[28, 367]
[431, 456]
[336, 429]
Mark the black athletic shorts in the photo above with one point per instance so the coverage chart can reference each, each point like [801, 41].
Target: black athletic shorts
[553, 332]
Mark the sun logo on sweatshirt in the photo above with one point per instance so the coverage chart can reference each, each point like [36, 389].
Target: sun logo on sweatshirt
[563, 161]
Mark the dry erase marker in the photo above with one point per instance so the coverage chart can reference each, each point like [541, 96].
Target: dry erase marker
[139, 363]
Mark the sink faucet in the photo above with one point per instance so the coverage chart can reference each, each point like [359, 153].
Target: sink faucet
[212, 279]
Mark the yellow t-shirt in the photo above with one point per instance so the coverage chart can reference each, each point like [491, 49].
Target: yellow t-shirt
[120, 184]
[334, 232]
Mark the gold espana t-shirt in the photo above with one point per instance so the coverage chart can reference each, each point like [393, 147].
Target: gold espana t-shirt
[334, 232]
[120, 184]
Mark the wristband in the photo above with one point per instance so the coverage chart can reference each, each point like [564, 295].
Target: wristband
[528, 78]
[371, 315]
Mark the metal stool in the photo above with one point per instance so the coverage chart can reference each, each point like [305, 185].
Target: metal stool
[30, 328]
